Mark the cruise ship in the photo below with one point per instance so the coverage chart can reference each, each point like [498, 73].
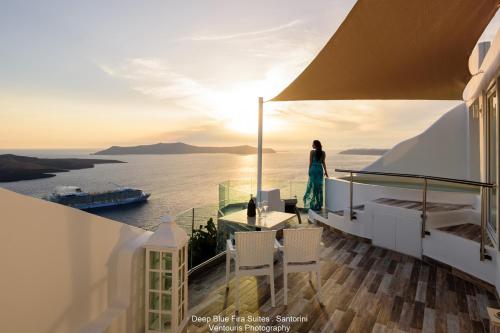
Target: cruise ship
[73, 196]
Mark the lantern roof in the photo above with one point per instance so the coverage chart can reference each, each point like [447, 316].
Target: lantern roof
[168, 235]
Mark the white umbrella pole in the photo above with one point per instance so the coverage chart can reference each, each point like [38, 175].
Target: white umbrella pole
[259, 150]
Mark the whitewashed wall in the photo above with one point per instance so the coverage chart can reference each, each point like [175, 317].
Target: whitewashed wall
[64, 270]
[442, 150]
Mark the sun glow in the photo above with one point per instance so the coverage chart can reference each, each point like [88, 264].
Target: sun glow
[242, 117]
[237, 108]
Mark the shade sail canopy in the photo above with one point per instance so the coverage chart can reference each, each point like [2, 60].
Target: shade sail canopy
[396, 49]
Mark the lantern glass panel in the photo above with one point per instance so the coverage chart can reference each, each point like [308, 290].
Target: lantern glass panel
[154, 260]
[154, 301]
[166, 261]
[180, 276]
[183, 254]
[166, 281]
[180, 256]
[166, 302]
[166, 322]
[154, 321]
[154, 280]
[180, 315]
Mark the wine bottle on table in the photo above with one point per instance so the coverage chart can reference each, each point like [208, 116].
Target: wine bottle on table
[251, 207]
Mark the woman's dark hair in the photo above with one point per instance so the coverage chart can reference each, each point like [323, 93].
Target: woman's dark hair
[319, 149]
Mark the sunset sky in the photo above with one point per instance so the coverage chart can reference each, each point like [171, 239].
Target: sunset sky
[90, 74]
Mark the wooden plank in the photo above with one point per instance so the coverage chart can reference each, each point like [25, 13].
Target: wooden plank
[345, 321]
[429, 322]
[417, 319]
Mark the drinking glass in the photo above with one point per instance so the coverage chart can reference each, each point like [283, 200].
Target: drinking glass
[265, 205]
[259, 209]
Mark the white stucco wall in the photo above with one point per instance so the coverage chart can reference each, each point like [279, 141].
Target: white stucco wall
[441, 150]
[64, 270]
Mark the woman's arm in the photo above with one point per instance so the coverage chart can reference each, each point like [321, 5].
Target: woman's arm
[324, 164]
[310, 159]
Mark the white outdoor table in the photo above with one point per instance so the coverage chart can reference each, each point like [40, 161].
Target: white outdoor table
[235, 222]
[271, 221]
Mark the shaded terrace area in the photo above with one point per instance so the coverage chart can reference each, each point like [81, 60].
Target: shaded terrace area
[365, 288]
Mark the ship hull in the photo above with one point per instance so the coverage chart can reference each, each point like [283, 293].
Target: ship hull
[97, 205]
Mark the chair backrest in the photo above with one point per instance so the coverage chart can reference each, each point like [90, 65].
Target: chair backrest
[255, 248]
[302, 245]
[273, 198]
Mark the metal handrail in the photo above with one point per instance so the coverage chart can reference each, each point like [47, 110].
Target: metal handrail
[415, 176]
[483, 186]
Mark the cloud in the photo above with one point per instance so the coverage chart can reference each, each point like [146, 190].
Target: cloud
[180, 134]
[244, 34]
[153, 77]
[341, 115]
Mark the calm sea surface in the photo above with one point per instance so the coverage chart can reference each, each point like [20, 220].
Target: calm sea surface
[178, 182]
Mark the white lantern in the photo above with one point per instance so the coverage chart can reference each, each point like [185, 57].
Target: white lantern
[166, 278]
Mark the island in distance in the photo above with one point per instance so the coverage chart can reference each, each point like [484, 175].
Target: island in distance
[15, 167]
[180, 148]
[364, 151]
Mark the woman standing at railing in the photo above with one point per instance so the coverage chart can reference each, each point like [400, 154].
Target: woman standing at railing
[313, 198]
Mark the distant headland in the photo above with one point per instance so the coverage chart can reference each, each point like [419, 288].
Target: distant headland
[364, 151]
[180, 148]
[15, 167]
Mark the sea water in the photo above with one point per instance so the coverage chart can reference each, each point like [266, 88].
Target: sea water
[178, 182]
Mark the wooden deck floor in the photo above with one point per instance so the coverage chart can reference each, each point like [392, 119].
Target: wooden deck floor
[467, 231]
[432, 207]
[366, 289]
[324, 212]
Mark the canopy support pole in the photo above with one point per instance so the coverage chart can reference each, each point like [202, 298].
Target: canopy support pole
[259, 150]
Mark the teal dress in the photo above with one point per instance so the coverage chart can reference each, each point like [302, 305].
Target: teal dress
[313, 198]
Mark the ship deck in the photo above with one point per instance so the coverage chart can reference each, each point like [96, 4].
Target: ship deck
[365, 288]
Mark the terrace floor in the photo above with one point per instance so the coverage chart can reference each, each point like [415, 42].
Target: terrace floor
[365, 288]
[468, 231]
[432, 207]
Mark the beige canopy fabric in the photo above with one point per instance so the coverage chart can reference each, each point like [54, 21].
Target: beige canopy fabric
[396, 49]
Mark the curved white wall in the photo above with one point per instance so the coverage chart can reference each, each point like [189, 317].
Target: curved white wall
[64, 270]
[441, 150]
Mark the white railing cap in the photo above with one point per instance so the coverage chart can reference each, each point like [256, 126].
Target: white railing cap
[168, 235]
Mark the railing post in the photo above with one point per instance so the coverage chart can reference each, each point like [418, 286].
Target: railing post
[192, 231]
[424, 207]
[484, 196]
[351, 187]
[259, 149]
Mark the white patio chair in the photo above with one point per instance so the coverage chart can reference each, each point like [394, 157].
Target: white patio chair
[273, 198]
[301, 253]
[253, 256]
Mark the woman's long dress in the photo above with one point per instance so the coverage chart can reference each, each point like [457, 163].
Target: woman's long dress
[313, 198]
